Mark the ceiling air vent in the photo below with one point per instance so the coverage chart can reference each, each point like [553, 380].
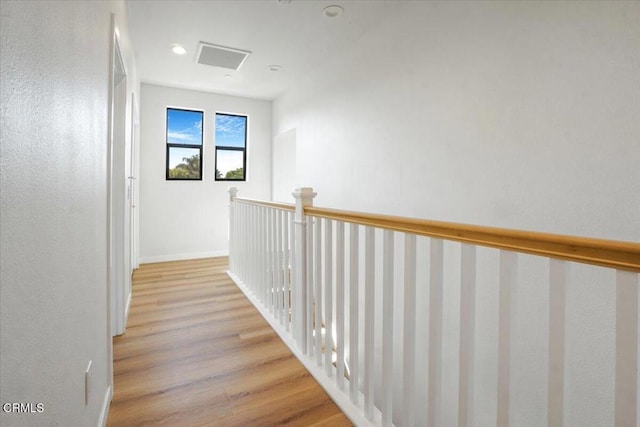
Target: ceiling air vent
[220, 56]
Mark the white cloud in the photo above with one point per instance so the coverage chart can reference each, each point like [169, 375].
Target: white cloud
[188, 136]
[230, 125]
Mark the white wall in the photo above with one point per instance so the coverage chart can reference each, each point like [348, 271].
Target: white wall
[487, 113]
[284, 166]
[53, 299]
[189, 219]
[512, 114]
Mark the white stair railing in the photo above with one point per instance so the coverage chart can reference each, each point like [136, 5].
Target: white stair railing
[261, 253]
[303, 268]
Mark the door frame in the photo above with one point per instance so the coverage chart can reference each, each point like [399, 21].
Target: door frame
[133, 177]
[115, 284]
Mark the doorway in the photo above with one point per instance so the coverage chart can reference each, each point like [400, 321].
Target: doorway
[119, 275]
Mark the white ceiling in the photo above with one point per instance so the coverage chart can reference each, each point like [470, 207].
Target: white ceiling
[296, 36]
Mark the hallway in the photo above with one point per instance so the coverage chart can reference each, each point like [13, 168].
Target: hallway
[196, 352]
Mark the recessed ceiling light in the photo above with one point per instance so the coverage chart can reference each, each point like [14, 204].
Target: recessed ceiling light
[332, 11]
[228, 76]
[178, 49]
[274, 67]
[283, 1]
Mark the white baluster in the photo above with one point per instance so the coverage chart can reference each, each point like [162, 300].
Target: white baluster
[557, 287]
[247, 249]
[467, 334]
[273, 274]
[269, 260]
[275, 264]
[369, 308]
[626, 349]
[340, 303]
[238, 247]
[270, 256]
[254, 250]
[353, 313]
[435, 333]
[409, 339]
[245, 255]
[247, 269]
[328, 297]
[310, 286]
[241, 242]
[506, 316]
[264, 254]
[280, 295]
[318, 287]
[284, 267]
[387, 328]
[291, 273]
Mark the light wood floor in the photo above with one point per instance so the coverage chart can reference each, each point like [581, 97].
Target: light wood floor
[197, 353]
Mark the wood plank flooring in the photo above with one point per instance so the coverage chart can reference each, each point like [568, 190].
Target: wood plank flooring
[197, 353]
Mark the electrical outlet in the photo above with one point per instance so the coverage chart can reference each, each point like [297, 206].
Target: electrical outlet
[87, 381]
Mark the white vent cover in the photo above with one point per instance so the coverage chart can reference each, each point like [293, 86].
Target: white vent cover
[220, 56]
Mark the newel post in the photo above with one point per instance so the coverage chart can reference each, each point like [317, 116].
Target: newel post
[304, 197]
[233, 192]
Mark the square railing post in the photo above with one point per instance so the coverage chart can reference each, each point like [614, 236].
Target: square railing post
[304, 197]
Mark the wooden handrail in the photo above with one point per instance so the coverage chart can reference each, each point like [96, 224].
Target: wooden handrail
[277, 205]
[604, 253]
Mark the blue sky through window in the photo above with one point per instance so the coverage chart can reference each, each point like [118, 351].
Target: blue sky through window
[230, 130]
[184, 127]
[177, 154]
[229, 160]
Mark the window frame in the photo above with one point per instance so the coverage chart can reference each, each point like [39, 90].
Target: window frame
[174, 145]
[229, 148]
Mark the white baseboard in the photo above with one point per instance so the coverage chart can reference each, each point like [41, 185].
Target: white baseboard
[126, 311]
[353, 411]
[104, 413]
[179, 257]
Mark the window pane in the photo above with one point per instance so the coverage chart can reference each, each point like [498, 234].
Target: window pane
[184, 127]
[184, 163]
[231, 131]
[230, 164]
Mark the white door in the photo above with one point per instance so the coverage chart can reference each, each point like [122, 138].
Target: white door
[119, 276]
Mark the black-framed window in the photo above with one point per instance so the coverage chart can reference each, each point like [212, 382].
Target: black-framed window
[184, 144]
[231, 147]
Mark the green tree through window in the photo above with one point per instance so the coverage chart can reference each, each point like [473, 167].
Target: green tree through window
[235, 174]
[188, 169]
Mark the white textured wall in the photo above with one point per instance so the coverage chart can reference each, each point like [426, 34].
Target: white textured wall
[488, 113]
[284, 166]
[189, 219]
[512, 114]
[54, 72]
